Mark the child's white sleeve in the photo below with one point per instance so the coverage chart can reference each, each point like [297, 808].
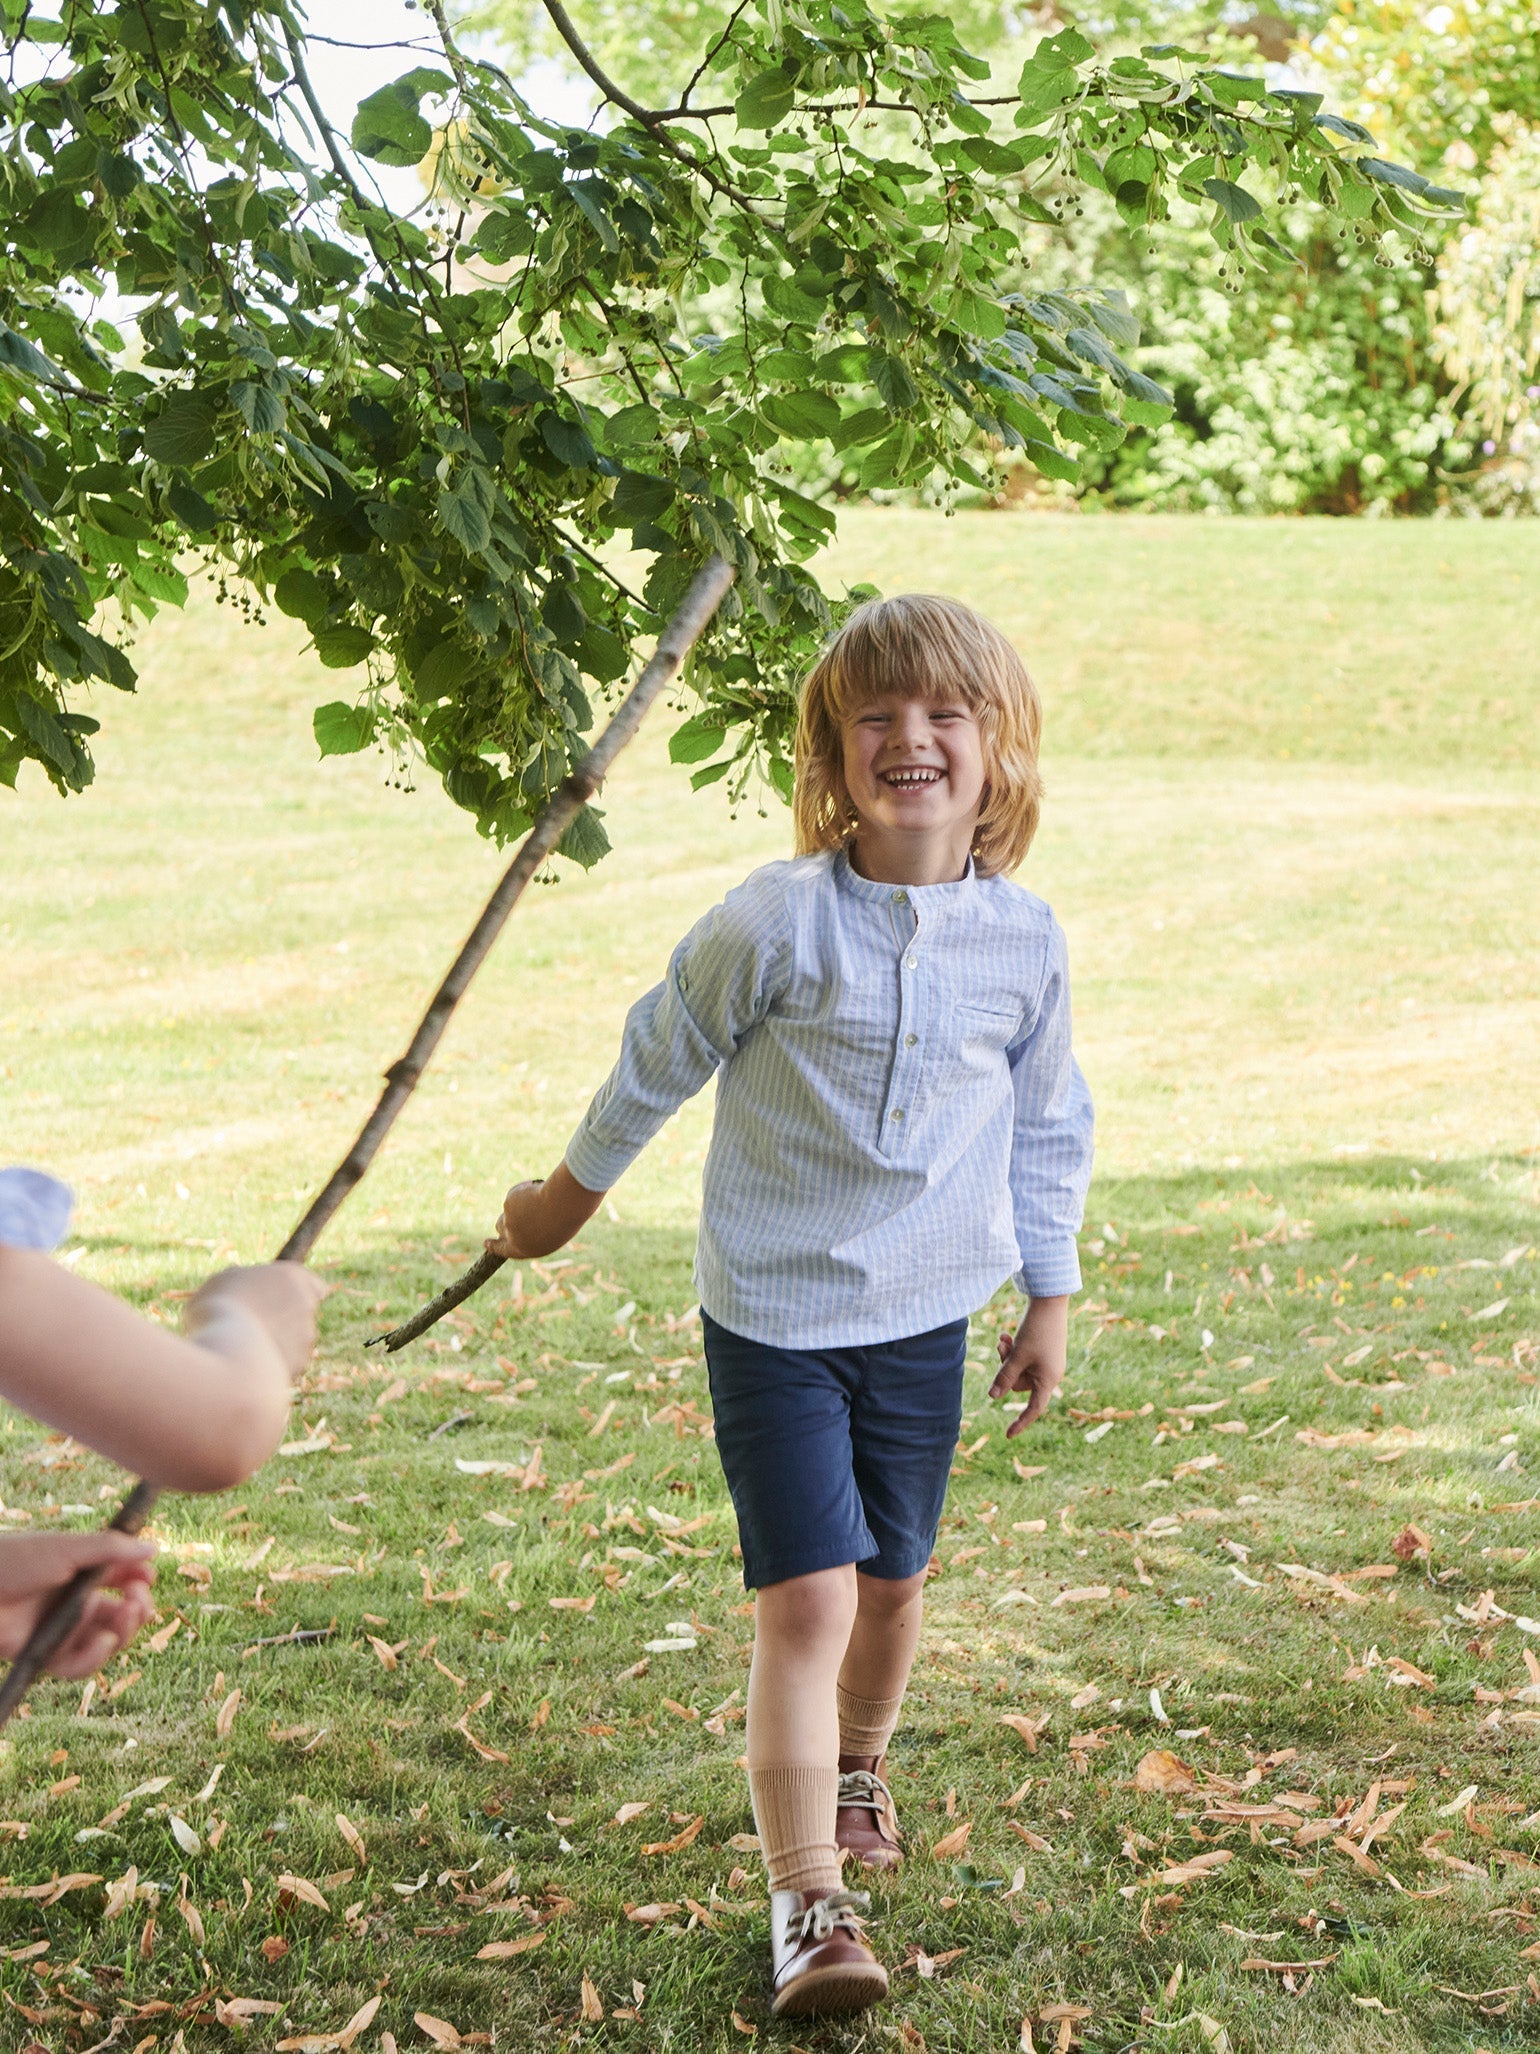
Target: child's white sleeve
[1051, 1142]
[722, 980]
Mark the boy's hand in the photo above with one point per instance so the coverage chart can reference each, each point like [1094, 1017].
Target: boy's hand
[543, 1215]
[282, 1296]
[34, 1567]
[1034, 1359]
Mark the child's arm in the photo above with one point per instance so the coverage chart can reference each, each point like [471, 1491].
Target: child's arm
[194, 1414]
[34, 1567]
[721, 981]
[540, 1217]
[1050, 1170]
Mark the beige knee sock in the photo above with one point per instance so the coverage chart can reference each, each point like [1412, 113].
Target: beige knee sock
[794, 1811]
[866, 1723]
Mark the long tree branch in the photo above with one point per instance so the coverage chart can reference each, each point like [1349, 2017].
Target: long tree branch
[700, 602]
[674, 644]
[678, 638]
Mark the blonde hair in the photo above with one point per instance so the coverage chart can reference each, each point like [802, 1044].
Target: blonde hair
[921, 646]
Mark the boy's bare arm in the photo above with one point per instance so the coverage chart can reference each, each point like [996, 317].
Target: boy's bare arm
[1033, 1359]
[543, 1215]
[194, 1414]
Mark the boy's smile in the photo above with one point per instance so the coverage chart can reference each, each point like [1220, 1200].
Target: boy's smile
[914, 768]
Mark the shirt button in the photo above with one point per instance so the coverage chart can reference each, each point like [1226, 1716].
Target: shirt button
[910, 1040]
[900, 898]
[898, 1112]
[911, 963]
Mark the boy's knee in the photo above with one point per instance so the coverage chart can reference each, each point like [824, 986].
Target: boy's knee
[885, 1597]
[809, 1609]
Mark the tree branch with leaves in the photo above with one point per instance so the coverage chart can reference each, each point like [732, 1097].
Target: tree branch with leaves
[443, 444]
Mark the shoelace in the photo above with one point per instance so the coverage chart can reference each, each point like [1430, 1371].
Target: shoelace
[864, 1790]
[840, 1911]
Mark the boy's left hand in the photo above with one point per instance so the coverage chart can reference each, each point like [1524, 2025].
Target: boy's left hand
[1034, 1359]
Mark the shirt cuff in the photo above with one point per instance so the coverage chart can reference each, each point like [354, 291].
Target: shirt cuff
[1052, 1271]
[595, 1166]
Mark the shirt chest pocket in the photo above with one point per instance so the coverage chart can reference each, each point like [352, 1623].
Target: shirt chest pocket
[968, 1044]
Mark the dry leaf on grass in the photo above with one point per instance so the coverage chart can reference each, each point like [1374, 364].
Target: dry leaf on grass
[1030, 1730]
[1085, 1593]
[224, 1718]
[741, 2025]
[306, 1892]
[1285, 1968]
[593, 2003]
[1162, 1774]
[745, 1843]
[1198, 1870]
[650, 1914]
[628, 1812]
[1035, 1841]
[505, 1950]
[574, 1604]
[354, 1839]
[385, 1651]
[274, 1947]
[952, 1843]
[194, 1921]
[438, 2030]
[121, 1894]
[238, 2012]
[681, 1839]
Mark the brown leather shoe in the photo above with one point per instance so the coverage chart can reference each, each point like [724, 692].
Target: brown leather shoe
[818, 1958]
[866, 1823]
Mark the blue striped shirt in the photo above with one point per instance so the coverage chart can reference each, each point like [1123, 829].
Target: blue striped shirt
[900, 1122]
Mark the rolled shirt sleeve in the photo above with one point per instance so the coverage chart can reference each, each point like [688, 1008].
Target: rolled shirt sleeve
[1051, 1139]
[721, 981]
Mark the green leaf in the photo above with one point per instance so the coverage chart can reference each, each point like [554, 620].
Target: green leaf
[258, 405]
[388, 127]
[1233, 201]
[462, 510]
[17, 354]
[585, 841]
[568, 441]
[342, 730]
[699, 779]
[699, 738]
[640, 497]
[340, 647]
[803, 416]
[301, 595]
[183, 431]
[893, 382]
[978, 315]
[765, 100]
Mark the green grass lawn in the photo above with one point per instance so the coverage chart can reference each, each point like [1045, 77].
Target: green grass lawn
[1292, 833]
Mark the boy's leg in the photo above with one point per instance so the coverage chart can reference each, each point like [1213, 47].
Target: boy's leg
[903, 1428]
[875, 1672]
[801, 1630]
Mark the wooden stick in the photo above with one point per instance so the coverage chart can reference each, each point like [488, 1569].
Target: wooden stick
[481, 1271]
[700, 602]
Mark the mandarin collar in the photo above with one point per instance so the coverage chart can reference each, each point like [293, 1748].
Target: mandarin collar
[879, 893]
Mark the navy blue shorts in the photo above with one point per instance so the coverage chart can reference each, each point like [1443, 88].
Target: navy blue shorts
[836, 1455]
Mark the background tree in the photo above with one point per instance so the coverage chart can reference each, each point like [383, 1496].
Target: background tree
[480, 458]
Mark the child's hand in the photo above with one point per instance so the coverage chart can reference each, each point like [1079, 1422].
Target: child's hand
[521, 1229]
[282, 1296]
[35, 1566]
[1034, 1359]
[543, 1215]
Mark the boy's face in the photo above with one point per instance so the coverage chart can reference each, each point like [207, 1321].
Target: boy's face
[915, 768]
